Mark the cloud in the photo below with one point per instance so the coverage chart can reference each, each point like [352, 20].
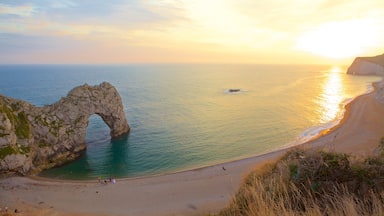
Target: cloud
[62, 4]
[21, 11]
[175, 26]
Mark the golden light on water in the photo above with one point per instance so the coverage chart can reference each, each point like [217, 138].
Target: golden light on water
[332, 95]
[335, 69]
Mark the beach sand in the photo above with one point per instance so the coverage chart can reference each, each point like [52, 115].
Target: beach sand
[195, 192]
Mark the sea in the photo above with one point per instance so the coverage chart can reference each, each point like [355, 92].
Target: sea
[184, 116]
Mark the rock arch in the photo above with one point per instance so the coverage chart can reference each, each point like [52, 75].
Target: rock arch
[103, 100]
[56, 133]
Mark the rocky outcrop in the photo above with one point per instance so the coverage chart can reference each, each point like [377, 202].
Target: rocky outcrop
[370, 66]
[36, 138]
[367, 66]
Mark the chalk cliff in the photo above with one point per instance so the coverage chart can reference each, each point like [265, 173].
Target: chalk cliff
[36, 138]
[367, 66]
[370, 66]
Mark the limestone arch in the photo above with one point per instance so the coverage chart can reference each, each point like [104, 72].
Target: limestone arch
[102, 100]
[57, 132]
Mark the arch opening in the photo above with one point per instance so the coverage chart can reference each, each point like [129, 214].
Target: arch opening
[97, 130]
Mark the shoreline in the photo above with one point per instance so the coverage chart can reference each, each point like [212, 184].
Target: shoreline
[349, 109]
[284, 147]
[321, 129]
[198, 191]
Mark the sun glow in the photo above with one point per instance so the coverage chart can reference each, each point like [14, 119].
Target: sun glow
[185, 31]
[340, 39]
[335, 69]
[332, 95]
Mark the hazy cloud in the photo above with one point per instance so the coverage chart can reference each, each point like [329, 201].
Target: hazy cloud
[187, 26]
[22, 10]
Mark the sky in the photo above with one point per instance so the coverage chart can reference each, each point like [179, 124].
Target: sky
[190, 31]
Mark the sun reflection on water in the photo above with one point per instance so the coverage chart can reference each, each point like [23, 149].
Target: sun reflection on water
[332, 95]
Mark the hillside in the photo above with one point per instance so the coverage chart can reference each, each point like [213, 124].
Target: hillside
[313, 183]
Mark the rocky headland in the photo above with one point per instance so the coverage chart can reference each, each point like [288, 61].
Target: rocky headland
[36, 138]
[367, 66]
[370, 66]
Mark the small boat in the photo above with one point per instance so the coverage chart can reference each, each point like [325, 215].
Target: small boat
[233, 90]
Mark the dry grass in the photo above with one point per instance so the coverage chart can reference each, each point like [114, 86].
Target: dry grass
[313, 183]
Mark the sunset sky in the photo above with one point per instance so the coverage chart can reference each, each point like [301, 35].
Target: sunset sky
[190, 31]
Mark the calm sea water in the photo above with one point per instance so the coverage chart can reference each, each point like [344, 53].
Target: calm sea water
[183, 116]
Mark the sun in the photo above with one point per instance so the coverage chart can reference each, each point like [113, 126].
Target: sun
[335, 69]
[339, 39]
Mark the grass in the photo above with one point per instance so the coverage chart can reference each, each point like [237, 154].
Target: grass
[43, 145]
[22, 127]
[313, 183]
[6, 151]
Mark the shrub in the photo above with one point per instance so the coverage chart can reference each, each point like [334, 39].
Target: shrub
[313, 183]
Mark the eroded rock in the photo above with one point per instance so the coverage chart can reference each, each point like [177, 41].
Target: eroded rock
[36, 138]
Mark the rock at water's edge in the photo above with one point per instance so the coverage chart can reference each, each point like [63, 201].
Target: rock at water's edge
[36, 138]
[370, 66]
[367, 66]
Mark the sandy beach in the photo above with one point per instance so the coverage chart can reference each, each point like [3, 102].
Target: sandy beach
[195, 192]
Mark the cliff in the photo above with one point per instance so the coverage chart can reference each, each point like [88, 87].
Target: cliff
[36, 138]
[367, 66]
[370, 66]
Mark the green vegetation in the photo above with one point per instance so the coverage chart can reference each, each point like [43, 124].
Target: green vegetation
[24, 149]
[22, 126]
[6, 151]
[7, 111]
[69, 131]
[54, 126]
[40, 119]
[15, 106]
[314, 183]
[3, 134]
[14, 150]
[79, 119]
[20, 121]
[43, 145]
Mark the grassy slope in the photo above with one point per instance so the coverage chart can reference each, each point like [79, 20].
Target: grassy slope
[313, 183]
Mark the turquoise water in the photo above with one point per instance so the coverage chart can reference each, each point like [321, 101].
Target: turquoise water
[183, 116]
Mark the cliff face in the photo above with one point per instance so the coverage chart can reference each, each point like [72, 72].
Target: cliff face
[367, 66]
[36, 138]
[370, 66]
